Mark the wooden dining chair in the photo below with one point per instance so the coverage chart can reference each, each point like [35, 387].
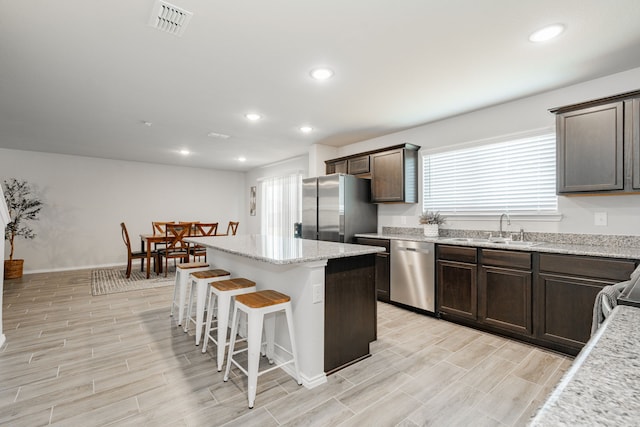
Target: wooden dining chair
[159, 227]
[131, 255]
[176, 246]
[203, 229]
[232, 229]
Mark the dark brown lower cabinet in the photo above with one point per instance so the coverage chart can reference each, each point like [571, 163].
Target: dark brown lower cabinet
[505, 299]
[545, 299]
[350, 310]
[457, 282]
[505, 292]
[383, 266]
[566, 290]
[458, 289]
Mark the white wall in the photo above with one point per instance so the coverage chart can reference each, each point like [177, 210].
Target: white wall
[519, 116]
[87, 198]
[252, 177]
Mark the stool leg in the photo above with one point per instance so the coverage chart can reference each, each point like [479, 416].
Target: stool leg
[224, 304]
[232, 344]
[270, 334]
[186, 323]
[184, 282]
[207, 331]
[254, 335]
[200, 304]
[292, 337]
[175, 293]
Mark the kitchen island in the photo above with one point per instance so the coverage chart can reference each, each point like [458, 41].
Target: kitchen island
[332, 290]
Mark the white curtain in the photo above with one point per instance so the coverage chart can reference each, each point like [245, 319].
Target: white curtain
[280, 206]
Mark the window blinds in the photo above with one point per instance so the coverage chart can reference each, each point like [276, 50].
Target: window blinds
[514, 176]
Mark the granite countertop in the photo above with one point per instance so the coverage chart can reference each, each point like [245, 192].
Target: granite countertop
[557, 248]
[282, 250]
[603, 384]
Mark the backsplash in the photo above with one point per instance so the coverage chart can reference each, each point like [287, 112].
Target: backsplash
[558, 238]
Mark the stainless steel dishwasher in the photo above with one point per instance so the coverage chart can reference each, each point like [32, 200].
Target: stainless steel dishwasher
[413, 274]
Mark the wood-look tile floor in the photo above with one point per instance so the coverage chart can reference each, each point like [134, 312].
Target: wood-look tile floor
[78, 360]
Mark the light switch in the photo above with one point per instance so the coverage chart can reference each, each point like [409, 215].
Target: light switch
[600, 218]
[317, 293]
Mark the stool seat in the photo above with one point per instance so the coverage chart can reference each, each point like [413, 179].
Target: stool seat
[189, 265]
[264, 298]
[210, 274]
[180, 287]
[233, 284]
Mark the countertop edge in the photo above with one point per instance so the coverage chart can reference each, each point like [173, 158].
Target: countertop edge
[362, 250]
[555, 248]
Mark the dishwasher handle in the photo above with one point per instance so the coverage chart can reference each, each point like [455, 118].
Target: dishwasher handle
[417, 250]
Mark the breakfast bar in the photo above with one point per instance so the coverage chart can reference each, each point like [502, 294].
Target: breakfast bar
[332, 290]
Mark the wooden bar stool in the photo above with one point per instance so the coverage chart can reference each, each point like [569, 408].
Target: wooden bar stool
[257, 305]
[180, 288]
[222, 293]
[199, 282]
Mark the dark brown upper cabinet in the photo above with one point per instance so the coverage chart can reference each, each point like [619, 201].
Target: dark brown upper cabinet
[393, 172]
[598, 145]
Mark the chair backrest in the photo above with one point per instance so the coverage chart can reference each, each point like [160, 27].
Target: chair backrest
[159, 226]
[125, 237]
[205, 228]
[232, 228]
[175, 233]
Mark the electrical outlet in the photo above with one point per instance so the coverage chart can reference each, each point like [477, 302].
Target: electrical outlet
[600, 218]
[317, 293]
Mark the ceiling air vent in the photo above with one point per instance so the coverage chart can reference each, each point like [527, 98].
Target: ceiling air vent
[169, 18]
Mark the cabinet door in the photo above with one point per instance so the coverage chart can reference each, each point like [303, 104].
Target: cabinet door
[590, 149]
[635, 143]
[358, 166]
[504, 299]
[565, 308]
[383, 276]
[337, 167]
[387, 178]
[458, 289]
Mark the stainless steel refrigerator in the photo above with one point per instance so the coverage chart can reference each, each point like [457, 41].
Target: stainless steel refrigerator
[336, 207]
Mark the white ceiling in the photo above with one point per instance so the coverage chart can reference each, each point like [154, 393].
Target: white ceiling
[80, 77]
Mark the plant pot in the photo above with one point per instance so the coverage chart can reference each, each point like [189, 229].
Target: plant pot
[13, 268]
[431, 230]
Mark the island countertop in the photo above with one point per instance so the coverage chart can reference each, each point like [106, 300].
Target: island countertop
[603, 384]
[282, 250]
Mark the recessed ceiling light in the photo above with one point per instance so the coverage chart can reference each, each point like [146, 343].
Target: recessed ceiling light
[546, 33]
[321, 73]
[242, 159]
[253, 116]
[185, 152]
[305, 129]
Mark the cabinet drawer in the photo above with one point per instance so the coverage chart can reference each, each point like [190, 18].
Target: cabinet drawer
[358, 165]
[605, 268]
[510, 259]
[458, 253]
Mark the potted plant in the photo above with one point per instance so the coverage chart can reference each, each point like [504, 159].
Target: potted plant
[23, 206]
[431, 221]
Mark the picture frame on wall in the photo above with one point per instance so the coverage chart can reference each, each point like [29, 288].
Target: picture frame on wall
[252, 201]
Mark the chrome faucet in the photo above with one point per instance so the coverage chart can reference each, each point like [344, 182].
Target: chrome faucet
[508, 221]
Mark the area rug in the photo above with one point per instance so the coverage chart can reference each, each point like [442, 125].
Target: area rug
[113, 280]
